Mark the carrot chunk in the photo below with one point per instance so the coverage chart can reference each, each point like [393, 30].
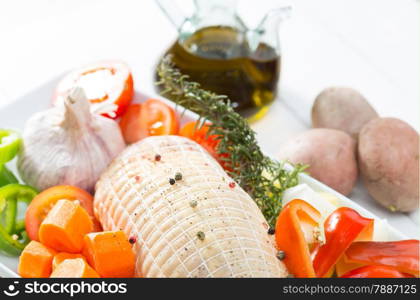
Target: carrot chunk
[65, 226]
[35, 261]
[74, 268]
[110, 254]
[62, 256]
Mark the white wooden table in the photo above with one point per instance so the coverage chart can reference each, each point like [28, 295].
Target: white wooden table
[371, 45]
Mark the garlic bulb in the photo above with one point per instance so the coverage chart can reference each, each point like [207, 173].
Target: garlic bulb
[68, 145]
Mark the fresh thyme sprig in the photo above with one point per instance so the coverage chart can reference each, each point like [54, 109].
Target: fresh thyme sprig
[262, 178]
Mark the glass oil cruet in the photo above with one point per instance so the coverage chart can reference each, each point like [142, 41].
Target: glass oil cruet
[216, 49]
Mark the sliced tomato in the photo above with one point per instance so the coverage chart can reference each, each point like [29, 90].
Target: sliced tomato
[44, 202]
[107, 82]
[150, 118]
[200, 135]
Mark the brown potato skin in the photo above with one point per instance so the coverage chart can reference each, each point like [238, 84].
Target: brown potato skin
[343, 109]
[389, 162]
[331, 155]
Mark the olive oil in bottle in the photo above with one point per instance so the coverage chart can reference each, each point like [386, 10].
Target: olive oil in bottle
[221, 60]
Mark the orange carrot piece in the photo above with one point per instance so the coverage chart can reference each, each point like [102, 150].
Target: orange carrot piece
[65, 226]
[35, 261]
[110, 254]
[74, 268]
[62, 256]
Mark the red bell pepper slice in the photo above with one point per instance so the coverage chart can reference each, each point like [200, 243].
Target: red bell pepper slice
[342, 228]
[376, 272]
[295, 224]
[402, 255]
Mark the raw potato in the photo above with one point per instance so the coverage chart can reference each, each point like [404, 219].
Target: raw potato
[389, 163]
[343, 109]
[331, 155]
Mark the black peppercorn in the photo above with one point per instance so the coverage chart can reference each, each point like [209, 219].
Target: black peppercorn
[178, 176]
[193, 204]
[271, 231]
[281, 255]
[201, 236]
[172, 181]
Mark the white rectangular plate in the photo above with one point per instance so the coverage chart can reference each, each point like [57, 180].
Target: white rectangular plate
[15, 115]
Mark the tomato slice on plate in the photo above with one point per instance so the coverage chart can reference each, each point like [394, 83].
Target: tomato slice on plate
[107, 82]
[150, 118]
[44, 202]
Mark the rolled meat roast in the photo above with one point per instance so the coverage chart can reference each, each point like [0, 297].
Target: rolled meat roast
[188, 218]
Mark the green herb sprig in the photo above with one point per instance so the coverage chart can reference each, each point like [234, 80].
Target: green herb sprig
[264, 179]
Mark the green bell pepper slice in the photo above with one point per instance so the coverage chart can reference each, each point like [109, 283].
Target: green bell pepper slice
[6, 176]
[10, 143]
[13, 237]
